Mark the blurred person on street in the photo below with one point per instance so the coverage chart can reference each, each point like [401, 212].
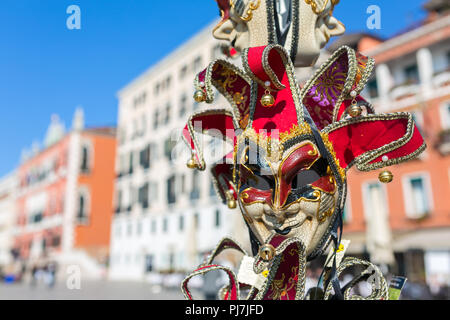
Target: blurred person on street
[51, 274]
[34, 279]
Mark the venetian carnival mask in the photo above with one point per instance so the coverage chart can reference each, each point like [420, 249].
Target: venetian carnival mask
[302, 27]
[287, 171]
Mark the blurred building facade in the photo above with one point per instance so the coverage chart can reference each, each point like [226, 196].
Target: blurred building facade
[64, 198]
[8, 190]
[166, 215]
[412, 74]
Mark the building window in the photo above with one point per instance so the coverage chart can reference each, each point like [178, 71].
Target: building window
[86, 158]
[36, 217]
[375, 201]
[181, 223]
[118, 201]
[155, 119]
[183, 106]
[165, 225]
[168, 82]
[372, 88]
[144, 157]
[171, 198]
[143, 125]
[131, 162]
[417, 195]
[83, 206]
[195, 192]
[56, 241]
[217, 219]
[143, 196]
[212, 189]
[169, 145]
[196, 221]
[168, 110]
[148, 263]
[411, 74]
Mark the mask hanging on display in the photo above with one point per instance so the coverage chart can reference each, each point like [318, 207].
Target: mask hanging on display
[287, 170]
[302, 27]
[292, 147]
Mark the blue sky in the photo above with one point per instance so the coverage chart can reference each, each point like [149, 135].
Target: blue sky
[46, 68]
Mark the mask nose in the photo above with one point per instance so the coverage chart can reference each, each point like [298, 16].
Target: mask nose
[279, 199]
[277, 215]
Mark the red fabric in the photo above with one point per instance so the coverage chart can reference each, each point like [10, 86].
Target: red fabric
[236, 87]
[224, 7]
[412, 145]
[355, 139]
[284, 284]
[283, 115]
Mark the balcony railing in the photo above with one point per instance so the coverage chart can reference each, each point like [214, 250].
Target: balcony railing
[442, 79]
[407, 89]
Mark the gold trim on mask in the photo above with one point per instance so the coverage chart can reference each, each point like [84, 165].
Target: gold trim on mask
[330, 148]
[252, 7]
[314, 5]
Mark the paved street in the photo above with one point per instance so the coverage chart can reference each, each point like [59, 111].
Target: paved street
[90, 291]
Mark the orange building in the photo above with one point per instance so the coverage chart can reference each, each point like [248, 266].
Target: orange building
[65, 197]
[412, 74]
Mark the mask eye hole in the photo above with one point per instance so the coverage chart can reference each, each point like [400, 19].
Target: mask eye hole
[303, 178]
[259, 183]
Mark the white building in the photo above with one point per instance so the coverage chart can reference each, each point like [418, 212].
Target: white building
[8, 190]
[167, 216]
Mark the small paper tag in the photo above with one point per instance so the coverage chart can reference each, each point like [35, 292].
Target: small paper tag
[396, 287]
[248, 276]
[340, 252]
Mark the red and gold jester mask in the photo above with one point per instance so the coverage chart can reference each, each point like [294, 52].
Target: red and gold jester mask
[287, 171]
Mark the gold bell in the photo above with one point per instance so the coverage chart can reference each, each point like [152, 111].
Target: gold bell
[267, 100]
[203, 167]
[191, 164]
[354, 111]
[199, 96]
[267, 252]
[385, 176]
[231, 204]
